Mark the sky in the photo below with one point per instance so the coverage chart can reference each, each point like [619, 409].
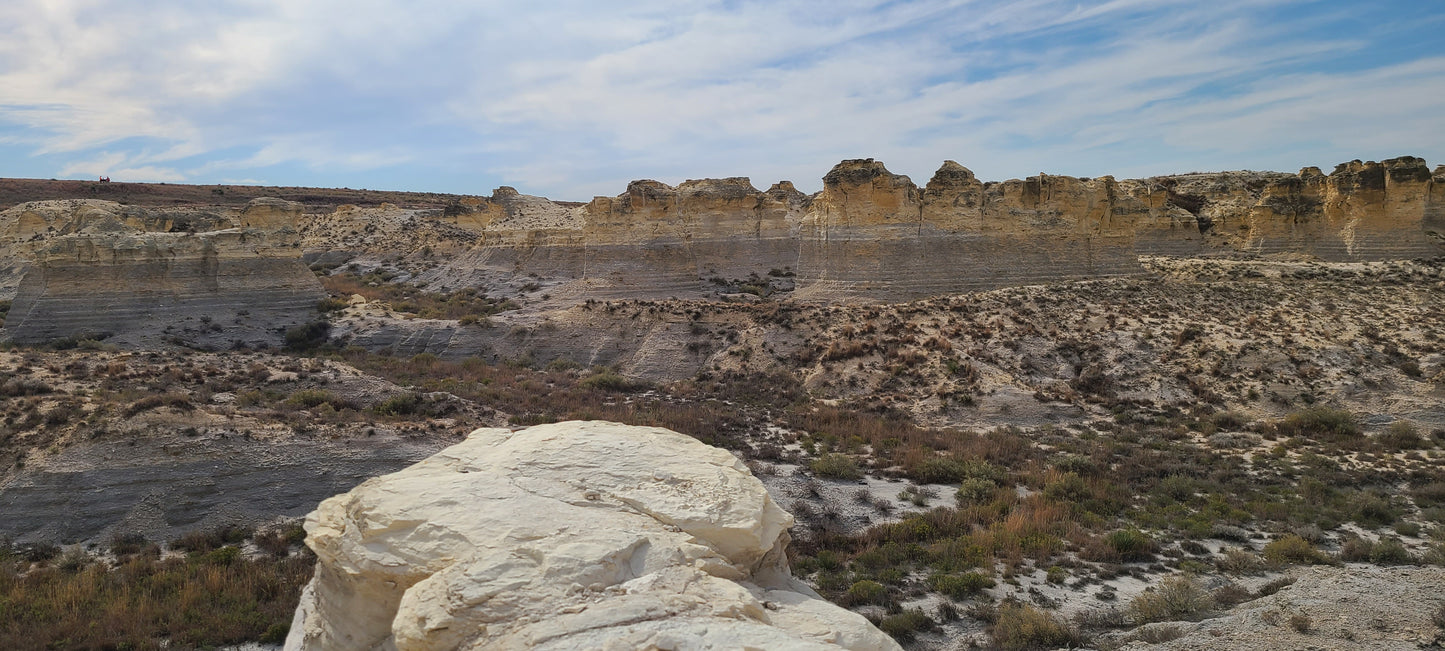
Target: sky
[572, 99]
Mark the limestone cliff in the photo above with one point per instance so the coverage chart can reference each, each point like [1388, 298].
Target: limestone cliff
[212, 278]
[577, 535]
[871, 233]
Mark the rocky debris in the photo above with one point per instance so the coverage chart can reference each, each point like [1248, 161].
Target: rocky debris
[565, 536]
[1356, 607]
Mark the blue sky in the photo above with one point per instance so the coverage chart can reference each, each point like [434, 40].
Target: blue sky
[571, 99]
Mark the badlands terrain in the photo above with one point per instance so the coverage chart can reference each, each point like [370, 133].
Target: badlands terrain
[1199, 410]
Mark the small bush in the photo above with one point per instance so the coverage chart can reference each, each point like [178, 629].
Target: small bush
[1401, 435]
[310, 398]
[905, 625]
[1230, 595]
[1020, 627]
[1275, 586]
[1238, 561]
[976, 491]
[836, 466]
[1122, 546]
[1174, 598]
[330, 304]
[308, 337]
[1292, 549]
[1432, 494]
[951, 470]
[960, 586]
[1374, 511]
[610, 381]
[406, 404]
[1301, 623]
[1391, 552]
[867, 592]
[1335, 425]
[1356, 549]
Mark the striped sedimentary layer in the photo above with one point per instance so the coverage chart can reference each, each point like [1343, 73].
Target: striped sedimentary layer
[92, 272]
[873, 234]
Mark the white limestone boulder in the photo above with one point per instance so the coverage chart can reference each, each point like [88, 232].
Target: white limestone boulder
[576, 535]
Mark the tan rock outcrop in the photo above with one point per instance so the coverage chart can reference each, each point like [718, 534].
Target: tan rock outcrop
[100, 269]
[577, 535]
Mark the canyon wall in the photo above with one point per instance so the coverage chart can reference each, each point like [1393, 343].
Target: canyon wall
[211, 278]
[227, 276]
[874, 234]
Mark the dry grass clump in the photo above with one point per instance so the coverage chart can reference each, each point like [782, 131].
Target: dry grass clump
[836, 466]
[1021, 627]
[1322, 424]
[1174, 598]
[202, 601]
[1291, 549]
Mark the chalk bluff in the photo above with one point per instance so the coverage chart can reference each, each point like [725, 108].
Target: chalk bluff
[874, 234]
[231, 275]
[98, 268]
[576, 535]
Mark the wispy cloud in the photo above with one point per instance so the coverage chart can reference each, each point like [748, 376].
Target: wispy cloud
[574, 98]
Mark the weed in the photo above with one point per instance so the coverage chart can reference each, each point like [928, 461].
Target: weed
[836, 466]
[1174, 598]
[1021, 627]
[1292, 549]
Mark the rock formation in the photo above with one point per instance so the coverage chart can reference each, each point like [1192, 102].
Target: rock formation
[874, 234]
[97, 268]
[577, 535]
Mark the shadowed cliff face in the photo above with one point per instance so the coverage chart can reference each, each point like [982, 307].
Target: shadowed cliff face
[209, 278]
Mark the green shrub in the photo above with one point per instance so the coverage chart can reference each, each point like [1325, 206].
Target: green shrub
[308, 337]
[309, 398]
[1336, 425]
[1391, 552]
[331, 304]
[1021, 627]
[610, 381]
[1374, 511]
[223, 556]
[960, 586]
[952, 470]
[867, 592]
[1132, 545]
[905, 625]
[1431, 494]
[1356, 549]
[1401, 435]
[1238, 561]
[836, 466]
[976, 491]
[1292, 549]
[406, 404]
[1174, 598]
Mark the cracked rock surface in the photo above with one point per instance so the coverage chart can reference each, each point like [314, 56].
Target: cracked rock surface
[576, 535]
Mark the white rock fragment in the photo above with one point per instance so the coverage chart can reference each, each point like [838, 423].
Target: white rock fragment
[685, 552]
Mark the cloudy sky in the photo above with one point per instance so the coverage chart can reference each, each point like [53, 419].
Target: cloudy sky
[571, 99]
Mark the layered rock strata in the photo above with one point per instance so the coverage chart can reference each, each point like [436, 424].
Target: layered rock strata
[875, 234]
[98, 269]
[577, 535]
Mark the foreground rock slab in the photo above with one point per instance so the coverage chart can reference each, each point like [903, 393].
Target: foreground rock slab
[576, 535]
